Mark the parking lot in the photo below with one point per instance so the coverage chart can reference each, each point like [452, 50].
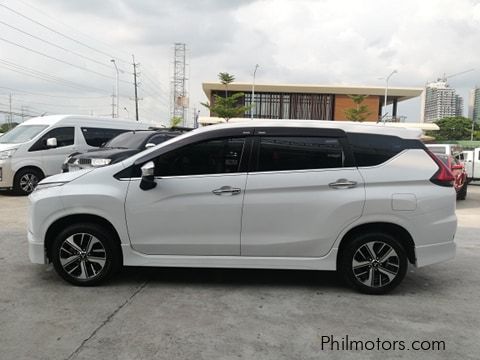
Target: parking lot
[231, 314]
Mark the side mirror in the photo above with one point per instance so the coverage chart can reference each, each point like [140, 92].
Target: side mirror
[148, 176]
[149, 145]
[52, 142]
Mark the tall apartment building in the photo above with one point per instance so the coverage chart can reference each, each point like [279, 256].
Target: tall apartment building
[439, 101]
[474, 105]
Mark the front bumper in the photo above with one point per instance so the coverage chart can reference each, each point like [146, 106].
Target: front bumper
[435, 253]
[36, 250]
[6, 174]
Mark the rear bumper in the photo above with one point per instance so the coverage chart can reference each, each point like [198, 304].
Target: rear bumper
[36, 250]
[435, 253]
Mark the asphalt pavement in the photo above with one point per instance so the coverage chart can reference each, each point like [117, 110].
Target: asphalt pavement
[235, 314]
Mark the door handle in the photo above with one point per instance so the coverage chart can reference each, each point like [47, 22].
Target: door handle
[227, 190]
[343, 184]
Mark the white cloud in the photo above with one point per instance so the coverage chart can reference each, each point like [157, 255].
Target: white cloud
[304, 41]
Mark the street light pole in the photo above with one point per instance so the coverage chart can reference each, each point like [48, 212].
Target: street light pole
[116, 87]
[252, 102]
[386, 94]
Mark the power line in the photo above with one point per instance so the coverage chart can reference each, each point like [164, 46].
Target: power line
[55, 31]
[59, 60]
[55, 45]
[162, 90]
[56, 20]
[62, 105]
[54, 96]
[44, 76]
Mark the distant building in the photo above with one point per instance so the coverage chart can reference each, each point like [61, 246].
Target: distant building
[312, 102]
[474, 105]
[439, 101]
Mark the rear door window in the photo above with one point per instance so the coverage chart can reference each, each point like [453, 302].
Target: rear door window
[278, 153]
[98, 136]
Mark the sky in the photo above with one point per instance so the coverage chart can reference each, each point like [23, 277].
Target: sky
[55, 55]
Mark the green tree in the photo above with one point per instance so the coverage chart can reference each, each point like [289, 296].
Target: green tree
[175, 121]
[360, 112]
[227, 107]
[226, 79]
[7, 126]
[453, 128]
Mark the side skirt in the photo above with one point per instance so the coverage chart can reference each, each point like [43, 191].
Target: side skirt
[134, 258]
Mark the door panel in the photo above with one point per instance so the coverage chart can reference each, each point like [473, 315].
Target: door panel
[182, 216]
[297, 214]
[196, 207]
[303, 193]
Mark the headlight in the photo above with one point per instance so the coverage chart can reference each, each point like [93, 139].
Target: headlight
[101, 162]
[7, 154]
[49, 185]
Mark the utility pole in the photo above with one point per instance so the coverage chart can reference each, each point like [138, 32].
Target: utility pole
[10, 119]
[136, 85]
[116, 86]
[252, 103]
[113, 105]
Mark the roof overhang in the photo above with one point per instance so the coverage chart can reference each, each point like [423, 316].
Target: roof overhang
[401, 93]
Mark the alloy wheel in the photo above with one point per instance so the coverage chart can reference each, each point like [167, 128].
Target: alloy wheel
[82, 256]
[28, 182]
[375, 264]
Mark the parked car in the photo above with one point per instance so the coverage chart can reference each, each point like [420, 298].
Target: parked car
[37, 148]
[460, 182]
[119, 148]
[361, 199]
[471, 160]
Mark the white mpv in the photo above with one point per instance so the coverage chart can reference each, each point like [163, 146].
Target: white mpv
[365, 200]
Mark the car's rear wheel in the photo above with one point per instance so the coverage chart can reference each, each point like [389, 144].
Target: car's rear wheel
[26, 180]
[374, 263]
[85, 254]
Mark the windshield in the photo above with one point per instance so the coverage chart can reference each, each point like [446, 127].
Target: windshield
[129, 140]
[22, 134]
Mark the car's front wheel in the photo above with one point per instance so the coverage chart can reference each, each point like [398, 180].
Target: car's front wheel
[374, 263]
[85, 254]
[26, 180]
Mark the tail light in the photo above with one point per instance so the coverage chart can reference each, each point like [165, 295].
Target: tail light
[443, 176]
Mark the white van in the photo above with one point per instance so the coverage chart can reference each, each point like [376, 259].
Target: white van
[471, 159]
[446, 149]
[37, 148]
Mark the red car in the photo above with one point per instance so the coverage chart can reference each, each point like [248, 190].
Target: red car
[458, 170]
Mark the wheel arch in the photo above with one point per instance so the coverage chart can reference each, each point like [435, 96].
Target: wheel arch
[33, 167]
[397, 231]
[59, 224]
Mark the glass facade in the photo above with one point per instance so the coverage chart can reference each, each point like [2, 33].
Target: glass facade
[288, 105]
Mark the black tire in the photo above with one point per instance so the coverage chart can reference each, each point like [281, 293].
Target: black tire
[462, 193]
[26, 180]
[103, 245]
[371, 276]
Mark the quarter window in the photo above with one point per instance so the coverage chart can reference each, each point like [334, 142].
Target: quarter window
[209, 157]
[65, 137]
[370, 150]
[297, 153]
